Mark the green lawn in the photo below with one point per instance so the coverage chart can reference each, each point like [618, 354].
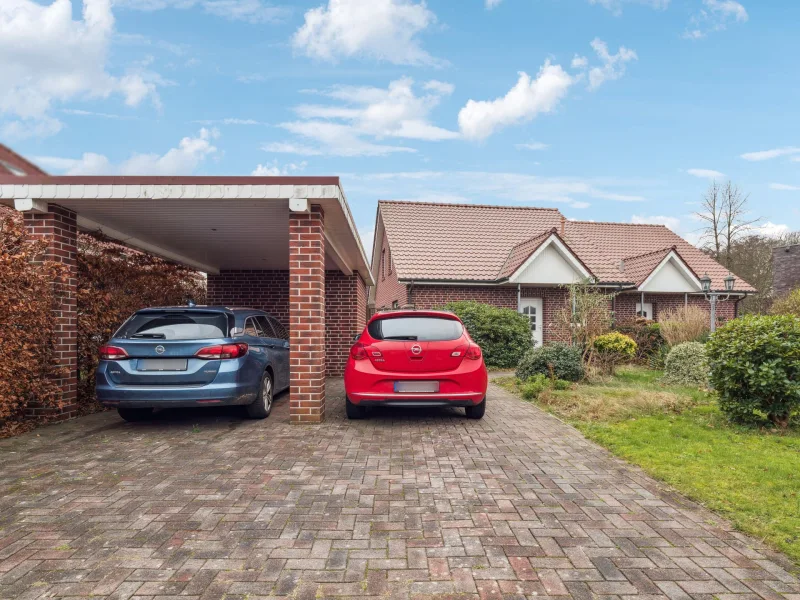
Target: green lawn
[750, 476]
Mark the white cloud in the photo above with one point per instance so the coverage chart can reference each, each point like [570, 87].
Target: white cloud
[228, 121]
[251, 78]
[490, 4]
[489, 187]
[579, 62]
[715, 15]
[672, 223]
[46, 57]
[613, 66]
[274, 170]
[785, 188]
[525, 101]
[705, 173]
[183, 160]
[770, 154]
[385, 30]
[771, 229]
[615, 6]
[249, 11]
[362, 112]
[531, 146]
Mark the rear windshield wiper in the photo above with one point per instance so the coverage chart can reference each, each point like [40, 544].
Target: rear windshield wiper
[410, 338]
[152, 336]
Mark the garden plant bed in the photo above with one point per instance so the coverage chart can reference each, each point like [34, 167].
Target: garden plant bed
[750, 476]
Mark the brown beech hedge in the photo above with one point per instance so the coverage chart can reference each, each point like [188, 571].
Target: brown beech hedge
[113, 283]
[27, 297]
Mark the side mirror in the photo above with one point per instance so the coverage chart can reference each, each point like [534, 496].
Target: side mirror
[356, 337]
[286, 345]
[236, 331]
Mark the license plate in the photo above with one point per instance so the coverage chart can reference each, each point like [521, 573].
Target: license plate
[162, 364]
[416, 387]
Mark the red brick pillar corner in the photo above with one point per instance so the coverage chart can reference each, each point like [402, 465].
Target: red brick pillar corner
[307, 316]
[58, 227]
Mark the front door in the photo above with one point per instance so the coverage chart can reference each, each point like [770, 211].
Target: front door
[532, 309]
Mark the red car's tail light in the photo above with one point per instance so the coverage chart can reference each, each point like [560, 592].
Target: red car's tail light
[474, 352]
[359, 352]
[112, 353]
[222, 352]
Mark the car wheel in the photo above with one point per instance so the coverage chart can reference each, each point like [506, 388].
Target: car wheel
[354, 411]
[477, 411]
[132, 415]
[262, 405]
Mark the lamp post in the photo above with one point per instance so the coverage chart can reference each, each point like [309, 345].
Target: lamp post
[713, 296]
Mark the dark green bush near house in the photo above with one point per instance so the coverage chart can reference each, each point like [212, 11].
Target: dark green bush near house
[553, 360]
[646, 334]
[503, 334]
[755, 368]
[686, 364]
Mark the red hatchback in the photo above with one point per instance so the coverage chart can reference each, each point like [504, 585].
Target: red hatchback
[415, 358]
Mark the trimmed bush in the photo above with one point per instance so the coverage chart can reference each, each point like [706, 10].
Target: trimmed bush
[755, 367]
[553, 360]
[613, 349]
[503, 334]
[646, 334]
[686, 364]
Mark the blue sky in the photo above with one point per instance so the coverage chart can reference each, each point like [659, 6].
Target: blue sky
[613, 110]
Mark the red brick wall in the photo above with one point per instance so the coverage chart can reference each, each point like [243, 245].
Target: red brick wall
[625, 305]
[307, 315]
[345, 315]
[59, 228]
[264, 290]
[387, 288]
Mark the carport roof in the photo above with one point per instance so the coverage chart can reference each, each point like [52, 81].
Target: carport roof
[209, 223]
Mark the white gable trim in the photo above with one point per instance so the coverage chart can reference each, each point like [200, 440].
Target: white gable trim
[672, 257]
[565, 253]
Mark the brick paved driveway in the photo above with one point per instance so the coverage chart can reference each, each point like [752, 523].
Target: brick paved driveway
[422, 504]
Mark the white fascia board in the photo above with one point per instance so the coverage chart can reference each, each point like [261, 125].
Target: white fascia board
[562, 249]
[369, 279]
[681, 265]
[89, 225]
[336, 254]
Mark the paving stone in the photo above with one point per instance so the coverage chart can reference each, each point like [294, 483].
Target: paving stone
[417, 505]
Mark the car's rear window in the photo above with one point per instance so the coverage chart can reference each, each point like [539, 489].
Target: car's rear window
[169, 325]
[423, 329]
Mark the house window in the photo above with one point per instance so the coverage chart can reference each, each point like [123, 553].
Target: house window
[647, 312]
[383, 264]
[396, 304]
[390, 261]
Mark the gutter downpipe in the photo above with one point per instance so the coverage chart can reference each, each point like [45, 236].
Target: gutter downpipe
[519, 296]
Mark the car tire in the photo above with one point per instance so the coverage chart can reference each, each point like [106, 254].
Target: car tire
[477, 411]
[262, 405]
[134, 415]
[354, 411]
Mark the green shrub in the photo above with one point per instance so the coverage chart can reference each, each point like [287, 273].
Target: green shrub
[686, 364]
[553, 360]
[503, 334]
[755, 367]
[561, 385]
[532, 387]
[613, 349]
[646, 334]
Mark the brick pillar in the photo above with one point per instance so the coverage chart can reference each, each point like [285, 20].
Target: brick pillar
[59, 229]
[307, 316]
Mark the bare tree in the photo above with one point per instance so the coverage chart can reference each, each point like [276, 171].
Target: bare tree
[711, 214]
[725, 213]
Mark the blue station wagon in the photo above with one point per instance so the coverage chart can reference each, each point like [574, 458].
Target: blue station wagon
[194, 356]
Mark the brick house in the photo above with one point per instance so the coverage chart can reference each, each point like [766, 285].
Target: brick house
[428, 254]
[287, 245]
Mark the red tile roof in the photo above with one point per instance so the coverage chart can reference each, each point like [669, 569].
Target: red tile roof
[13, 164]
[483, 243]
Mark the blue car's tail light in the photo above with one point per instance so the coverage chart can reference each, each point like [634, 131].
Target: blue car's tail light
[112, 353]
[222, 352]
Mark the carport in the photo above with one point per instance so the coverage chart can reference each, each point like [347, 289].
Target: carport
[287, 245]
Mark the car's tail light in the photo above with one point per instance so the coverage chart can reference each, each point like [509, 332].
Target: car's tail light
[222, 352]
[361, 351]
[473, 352]
[112, 353]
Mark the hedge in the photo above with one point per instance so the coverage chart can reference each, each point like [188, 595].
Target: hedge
[503, 334]
[553, 360]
